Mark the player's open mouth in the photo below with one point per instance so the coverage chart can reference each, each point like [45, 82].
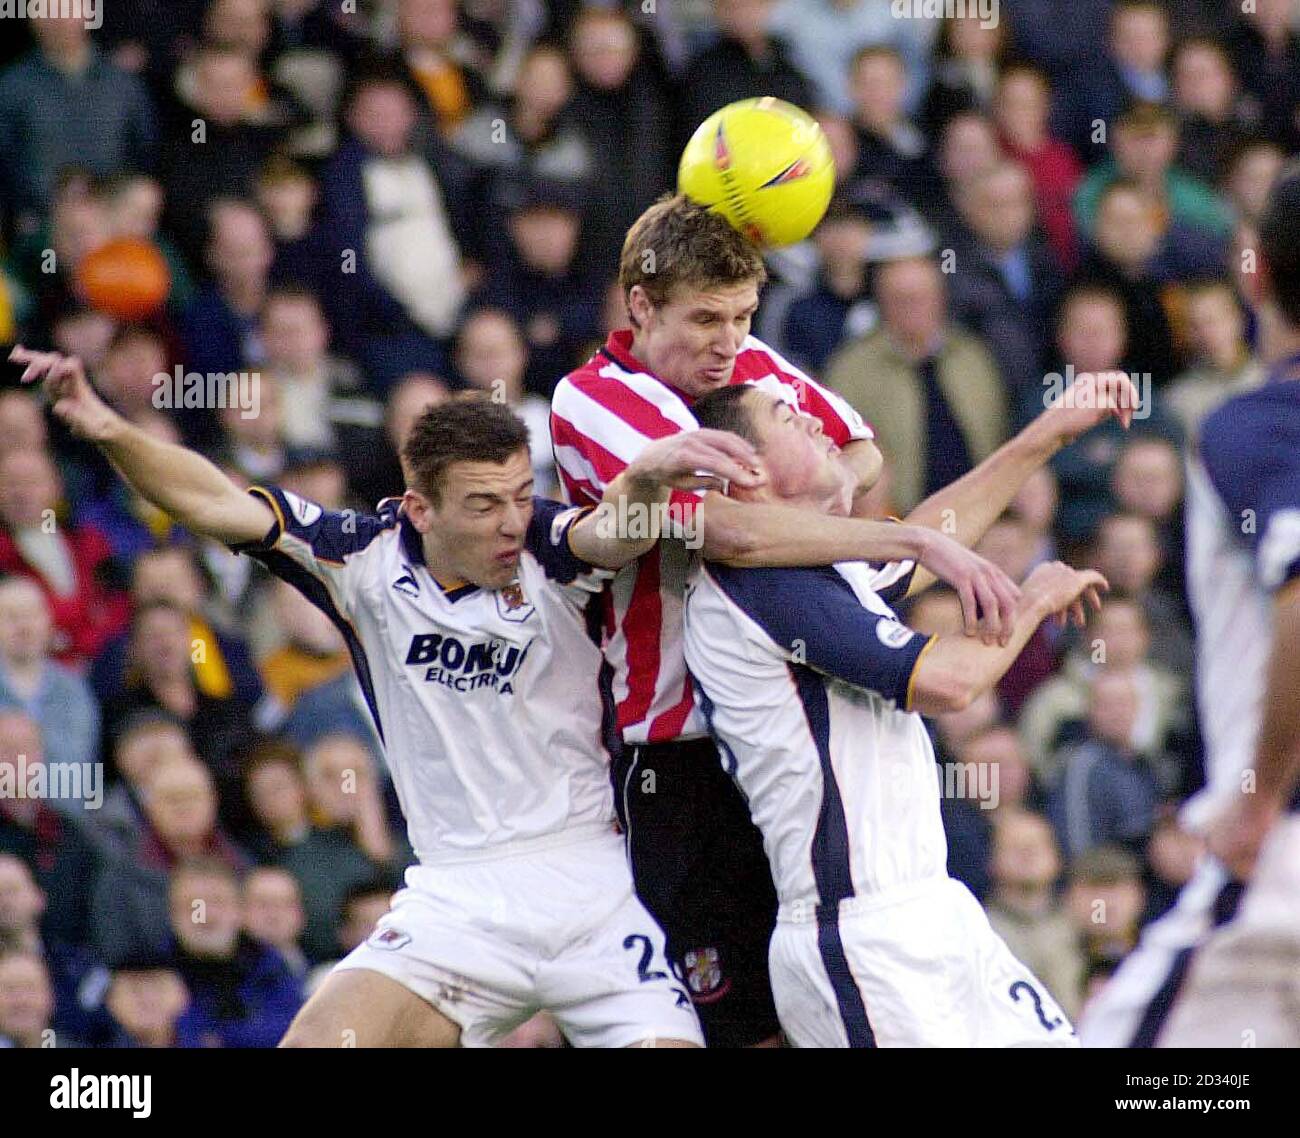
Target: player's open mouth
[509, 557]
[722, 372]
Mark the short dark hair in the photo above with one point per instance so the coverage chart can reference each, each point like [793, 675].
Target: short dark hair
[1279, 242]
[679, 242]
[466, 428]
[726, 410]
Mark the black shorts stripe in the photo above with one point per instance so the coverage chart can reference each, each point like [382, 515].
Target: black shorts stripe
[1154, 1018]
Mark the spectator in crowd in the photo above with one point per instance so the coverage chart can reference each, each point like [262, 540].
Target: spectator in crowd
[69, 562]
[242, 992]
[839, 306]
[1127, 552]
[216, 146]
[328, 829]
[383, 476]
[987, 776]
[534, 135]
[826, 37]
[891, 148]
[288, 197]
[1008, 285]
[1092, 336]
[1251, 172]
[932, 391]
[1171, 857]
[27, 1002]
[160, 674]
[312, 651]
[273, 913]
[492, 357]
[617, 99]
[1035, 505]
[144, 743]
[58, 700]
[76, 977]
[324, 405]
[223, 668]
[1145, 146]
[221, 326]
[388, 215]
[747, 61]
[1022, 110]
[1139, 45]
[1107, 794]
[1054, 717]
[54, 844]
[1222, 362]
[968, 56]
[1266, 51]
[1148, 483]
[362, 906]
[44, 120]
[966, 148]
[1205, 98]
[277, 795]
[542, 283]
[130, 902]
[1024, 908]
[439, 60]
[146, 1000]
[1105, 899]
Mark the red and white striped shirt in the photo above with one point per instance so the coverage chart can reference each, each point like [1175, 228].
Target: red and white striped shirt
[602, 414]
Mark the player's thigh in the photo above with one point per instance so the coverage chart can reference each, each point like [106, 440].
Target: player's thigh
[613, 987]
[360, 1008]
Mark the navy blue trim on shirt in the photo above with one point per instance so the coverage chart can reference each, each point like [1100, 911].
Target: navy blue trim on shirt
[814, 614]
[832, 870]
[551, 547]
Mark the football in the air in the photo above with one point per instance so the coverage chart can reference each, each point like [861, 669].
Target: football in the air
[765, 165]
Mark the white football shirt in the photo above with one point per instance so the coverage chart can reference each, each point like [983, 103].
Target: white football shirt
[494, 706]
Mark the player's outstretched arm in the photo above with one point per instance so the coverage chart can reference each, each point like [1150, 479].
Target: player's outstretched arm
[968, 507]
[181, 483]
[958, 669]
[636, 505]
[1236, 838]
[749, 535]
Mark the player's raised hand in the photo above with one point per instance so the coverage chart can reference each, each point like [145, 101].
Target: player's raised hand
[988, 596]
[71, 396]
[1066, 592]
[1090, 400]
[698, 460]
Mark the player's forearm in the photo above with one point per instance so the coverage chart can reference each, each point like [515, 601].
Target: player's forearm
[626, 524]
[966, 509]
[957, 670]
[1277, 759]
[761, 534]
[184, 485]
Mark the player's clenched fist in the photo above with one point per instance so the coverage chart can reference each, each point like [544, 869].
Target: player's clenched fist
[698, 460]
[1062, 590]
[71, 396]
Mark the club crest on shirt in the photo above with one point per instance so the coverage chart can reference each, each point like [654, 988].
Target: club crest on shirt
[703, 967]
[512, 604]
[389, 939]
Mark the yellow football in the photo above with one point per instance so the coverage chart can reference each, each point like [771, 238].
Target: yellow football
[765, 165]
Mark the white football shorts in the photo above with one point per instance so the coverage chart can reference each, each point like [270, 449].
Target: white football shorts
[919, 966]
[489, 943]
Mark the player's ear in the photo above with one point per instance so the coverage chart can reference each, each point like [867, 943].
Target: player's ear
[639, 305]
[419, 509]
